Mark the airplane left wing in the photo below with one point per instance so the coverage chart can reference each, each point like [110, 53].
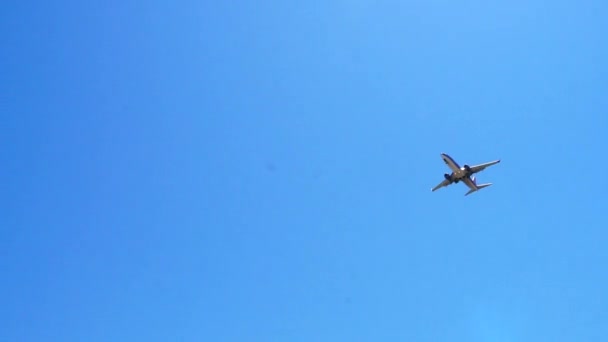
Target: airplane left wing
[481, 167]
[442, 184]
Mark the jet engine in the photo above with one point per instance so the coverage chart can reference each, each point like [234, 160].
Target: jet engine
[467, 168]
[447, 176]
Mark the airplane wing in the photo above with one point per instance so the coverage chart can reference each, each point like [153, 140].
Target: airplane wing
[481, 167]
[442, 184]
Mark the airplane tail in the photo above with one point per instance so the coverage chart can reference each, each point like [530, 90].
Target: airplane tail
[478, 186]
[481, 186]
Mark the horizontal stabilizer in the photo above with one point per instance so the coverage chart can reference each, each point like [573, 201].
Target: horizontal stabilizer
[479, 187]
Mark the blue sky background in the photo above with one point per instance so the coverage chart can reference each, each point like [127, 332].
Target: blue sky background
[261, 171]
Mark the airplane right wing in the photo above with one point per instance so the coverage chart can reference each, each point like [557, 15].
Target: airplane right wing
[442, 184]
[481, 167]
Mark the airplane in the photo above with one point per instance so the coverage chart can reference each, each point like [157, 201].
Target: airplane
[463, 174]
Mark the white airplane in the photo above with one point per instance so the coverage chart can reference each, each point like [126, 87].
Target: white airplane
[463, 174]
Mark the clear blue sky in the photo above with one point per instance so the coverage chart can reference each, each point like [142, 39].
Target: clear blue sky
[261, 171]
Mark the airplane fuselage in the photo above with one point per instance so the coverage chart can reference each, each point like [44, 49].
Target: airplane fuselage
[458, 172]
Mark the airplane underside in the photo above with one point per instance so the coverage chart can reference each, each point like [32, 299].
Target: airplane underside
[464, 174]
